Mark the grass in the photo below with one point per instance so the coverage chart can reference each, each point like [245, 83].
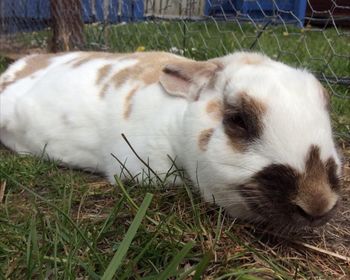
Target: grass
[59, 223]
[69, 224]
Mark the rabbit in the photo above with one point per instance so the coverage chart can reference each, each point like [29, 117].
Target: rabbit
[252, 134]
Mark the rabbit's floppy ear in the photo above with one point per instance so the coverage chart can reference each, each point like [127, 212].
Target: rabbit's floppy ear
[187, 78]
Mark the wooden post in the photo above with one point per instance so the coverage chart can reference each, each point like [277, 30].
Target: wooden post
[67, 25]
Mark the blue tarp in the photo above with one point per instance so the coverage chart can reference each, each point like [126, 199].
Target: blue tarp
[290, 11]
[31, 15]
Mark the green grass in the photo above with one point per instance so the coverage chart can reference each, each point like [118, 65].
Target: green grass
[68, 224]
[59, 223]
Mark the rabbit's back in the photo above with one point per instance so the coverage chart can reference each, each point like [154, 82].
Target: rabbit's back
[75, 106]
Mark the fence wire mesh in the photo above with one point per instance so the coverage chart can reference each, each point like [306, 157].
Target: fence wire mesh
[309, 34]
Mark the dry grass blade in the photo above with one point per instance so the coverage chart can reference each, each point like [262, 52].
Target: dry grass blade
[2, 190]
[323, 251]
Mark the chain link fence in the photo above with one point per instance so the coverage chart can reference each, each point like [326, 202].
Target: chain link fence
[310, 34]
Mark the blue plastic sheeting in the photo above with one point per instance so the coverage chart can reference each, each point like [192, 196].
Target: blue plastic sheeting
[25, 15]
[289, 11]
[31, 15]
[132, 10]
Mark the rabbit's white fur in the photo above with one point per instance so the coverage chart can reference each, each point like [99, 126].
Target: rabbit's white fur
[75, 107]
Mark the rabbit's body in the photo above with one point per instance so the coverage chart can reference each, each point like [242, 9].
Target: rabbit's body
[79, 121]
[250, 131]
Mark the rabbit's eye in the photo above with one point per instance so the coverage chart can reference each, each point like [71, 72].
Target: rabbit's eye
[240, 123]
[236, 123]
[243, 120]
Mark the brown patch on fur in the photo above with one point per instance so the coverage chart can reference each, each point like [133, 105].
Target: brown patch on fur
[237, 146]
[104, 90]
[243, 121]
[73, 60]
[315, 195]
[253, 58]
[296, 198]
[128, 104]
[147, 69]
[215, 109]
[102, 73]
[333, 178]
[33, 64]
[204, 138]
[287, 198]
[79, 61]
[213, 80]
[123, 75]
[4, 85]
[90, 56]
[151, 77]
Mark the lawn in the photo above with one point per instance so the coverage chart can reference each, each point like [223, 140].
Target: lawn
[58, 223]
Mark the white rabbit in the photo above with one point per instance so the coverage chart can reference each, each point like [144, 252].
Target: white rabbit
[253, 134]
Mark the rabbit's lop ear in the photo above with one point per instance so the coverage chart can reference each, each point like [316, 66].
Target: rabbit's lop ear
[187, 78]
